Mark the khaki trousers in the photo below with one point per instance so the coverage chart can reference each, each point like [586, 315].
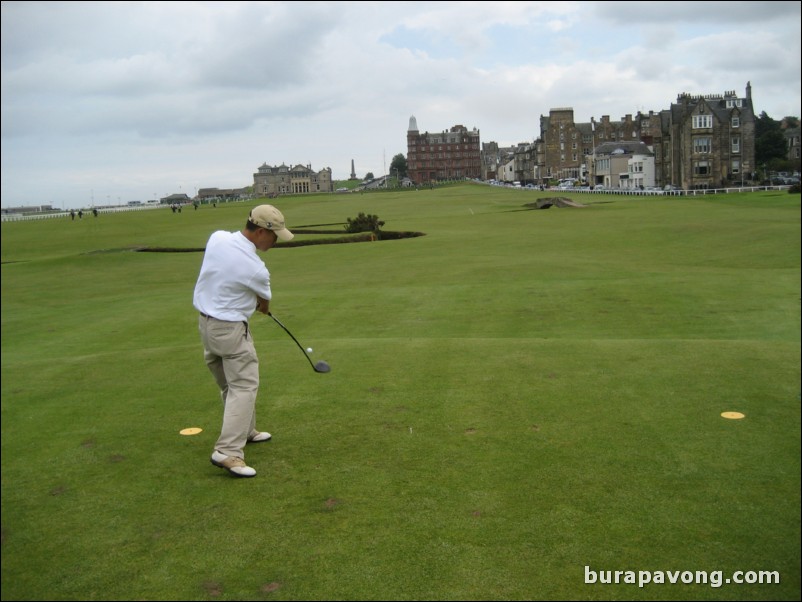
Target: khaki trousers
[231, 358]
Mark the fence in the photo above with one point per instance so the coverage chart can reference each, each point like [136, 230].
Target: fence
[627, 192]
[20, 217]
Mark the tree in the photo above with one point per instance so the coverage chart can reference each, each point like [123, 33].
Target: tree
[399, 165]
[770, 146]
[369, 175]
[364, 223]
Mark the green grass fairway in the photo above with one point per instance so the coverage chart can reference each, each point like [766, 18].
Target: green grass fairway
[516, 398]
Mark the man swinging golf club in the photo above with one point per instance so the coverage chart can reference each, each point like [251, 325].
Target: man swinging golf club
[232, 284]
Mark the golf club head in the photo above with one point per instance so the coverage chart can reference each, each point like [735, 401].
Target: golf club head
[322, 366]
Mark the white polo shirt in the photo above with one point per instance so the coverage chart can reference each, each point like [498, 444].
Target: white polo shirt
[231, 277]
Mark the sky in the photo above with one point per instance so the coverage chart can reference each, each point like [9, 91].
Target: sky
[110, 102]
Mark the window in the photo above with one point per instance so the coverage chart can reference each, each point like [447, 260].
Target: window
[701, 144]
[736, 144]
[701, 168]
[734, 102]
[736, 166]
[736, 121]
[702, 122]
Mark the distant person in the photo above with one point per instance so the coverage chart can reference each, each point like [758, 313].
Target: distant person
[72, 214]
[94, 211]
[234, 283]
[80, 213]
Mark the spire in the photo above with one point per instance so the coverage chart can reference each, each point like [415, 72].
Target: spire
[413, 124]
[353, 173]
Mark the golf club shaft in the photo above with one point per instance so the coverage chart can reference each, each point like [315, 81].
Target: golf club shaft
[294, 339]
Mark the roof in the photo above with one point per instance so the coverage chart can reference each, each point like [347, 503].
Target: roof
[623, 148]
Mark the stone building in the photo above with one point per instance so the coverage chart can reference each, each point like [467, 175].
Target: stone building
[524, 161]
[699, 142]
[272, 181]
[502, 163]
[564, 144]
[565, 148]
[710, 141]
[490, 158]
[448, 155]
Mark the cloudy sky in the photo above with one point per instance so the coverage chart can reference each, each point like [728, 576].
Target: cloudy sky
[117, 101]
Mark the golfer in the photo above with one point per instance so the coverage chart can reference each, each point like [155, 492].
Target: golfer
[232, 284]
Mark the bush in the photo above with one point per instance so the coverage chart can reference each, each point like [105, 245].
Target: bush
[364, 223]
[794, 189]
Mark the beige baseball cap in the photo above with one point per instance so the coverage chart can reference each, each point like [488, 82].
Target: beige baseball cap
[267, 216]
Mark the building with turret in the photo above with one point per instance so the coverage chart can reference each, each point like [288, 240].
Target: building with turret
[448, 155]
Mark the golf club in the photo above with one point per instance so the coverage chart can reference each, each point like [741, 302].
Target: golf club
[320, 366]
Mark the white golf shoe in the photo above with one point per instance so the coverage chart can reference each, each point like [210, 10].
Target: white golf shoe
[236, 466]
